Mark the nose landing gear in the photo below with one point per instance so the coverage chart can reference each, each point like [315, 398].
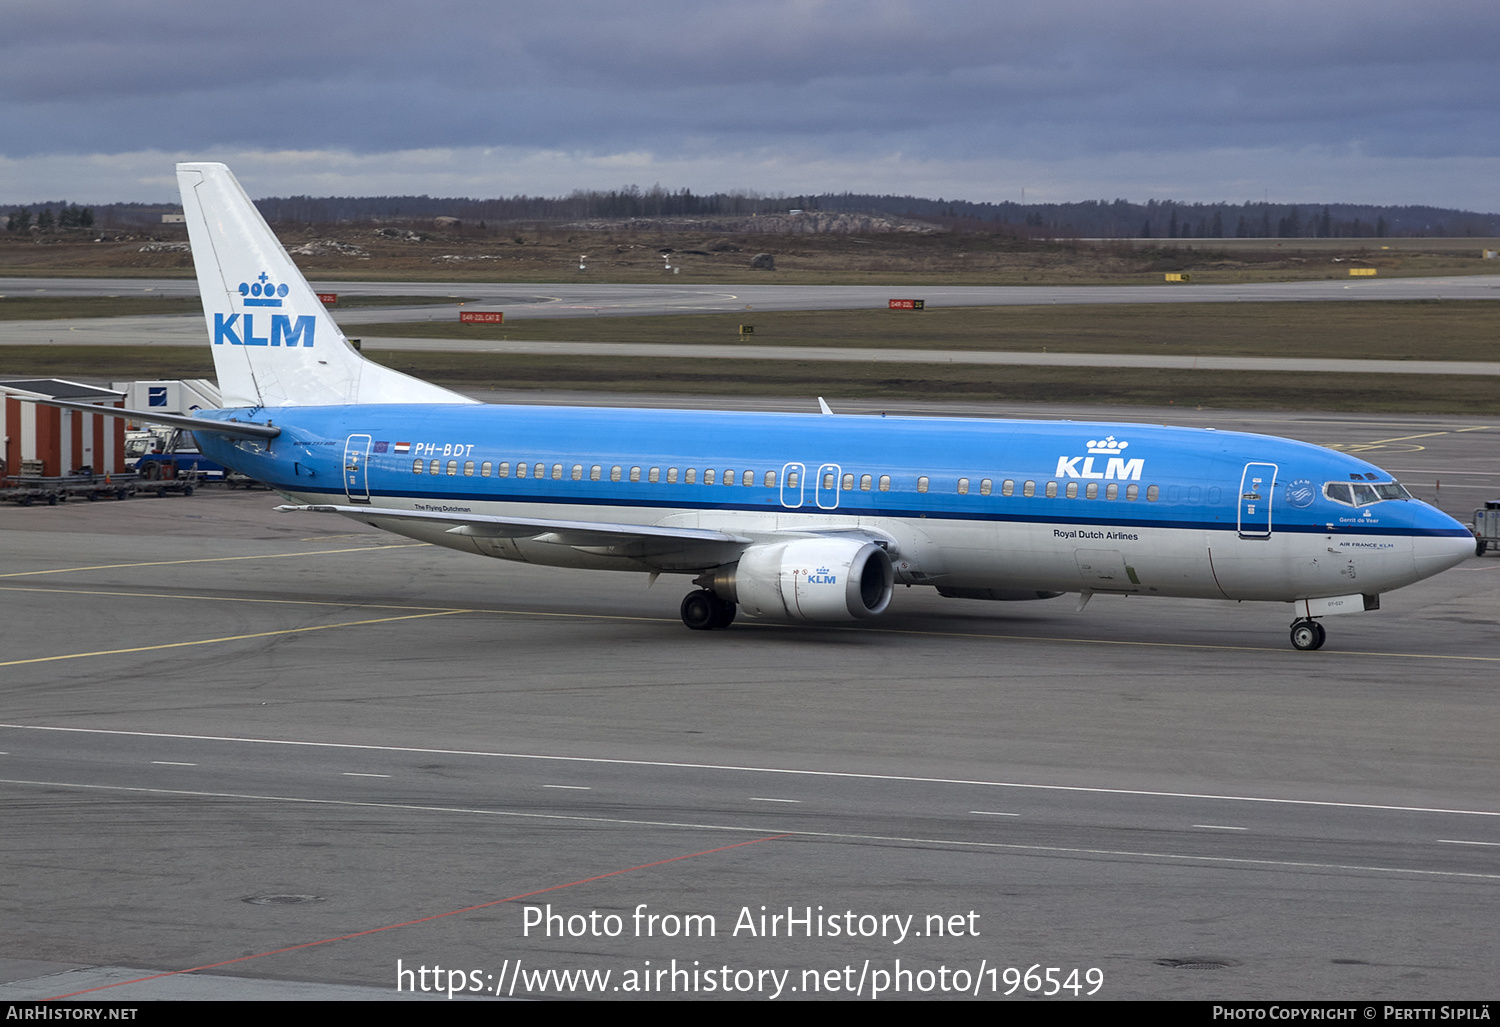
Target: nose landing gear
[1308, 634]
[702, 610]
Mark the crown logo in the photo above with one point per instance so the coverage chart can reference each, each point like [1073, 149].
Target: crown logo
[1109, 447]
[262, 292]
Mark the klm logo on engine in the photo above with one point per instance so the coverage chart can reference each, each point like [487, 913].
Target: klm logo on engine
[1116, 467]
[283, 331]
[821, 576]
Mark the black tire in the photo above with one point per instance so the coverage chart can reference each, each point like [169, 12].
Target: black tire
[726, 611]
[1308, 635]
[187, 490]
[700, 610]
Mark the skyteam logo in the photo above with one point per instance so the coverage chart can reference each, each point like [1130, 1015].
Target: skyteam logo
[1300, 494]
[821, 576]
[262, 293]
[1116, 468]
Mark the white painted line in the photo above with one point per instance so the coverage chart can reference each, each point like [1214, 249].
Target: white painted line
[170, 763]
[1049, 850]
[991, 813]
[788, 771]
[1220, 827]
[350, 773]
[762, 798]
[1460, 841]
[571, 788]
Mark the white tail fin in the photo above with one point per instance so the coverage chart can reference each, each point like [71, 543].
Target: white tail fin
[274, 343]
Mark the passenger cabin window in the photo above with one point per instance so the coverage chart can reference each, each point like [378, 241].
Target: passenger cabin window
[557, 472]
[691, 476]
[578, 472]
[848, 483]
[595, 472]
[885, 483]
[828, 480]
[728, 477]
[485, 469]
[1112, 491]
[792, 479]
[986, 486]
[1092, 492]
[708, 476]
[1132, 492]
[504, 470]
[452, 467]
[614, 473]
[671, 476]
[922, 483]
[865, 481]
[539, 471]
[635, 474]
[416, 467]
[1008, 487]
[468, 468]
[654, 475]
[770, 480]
[1072, 490]
[963, 486]
[1029, 489]
[1051, 490]
[1152, 491]
[435, 467]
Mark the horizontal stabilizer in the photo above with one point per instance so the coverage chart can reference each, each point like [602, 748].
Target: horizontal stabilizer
[232, 429]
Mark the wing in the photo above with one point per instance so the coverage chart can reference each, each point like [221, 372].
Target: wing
[639, 541]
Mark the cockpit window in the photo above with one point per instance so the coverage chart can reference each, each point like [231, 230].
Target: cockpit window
[1361, 494]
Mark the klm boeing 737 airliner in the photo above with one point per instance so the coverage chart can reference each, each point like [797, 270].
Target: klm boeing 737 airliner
[786, 517]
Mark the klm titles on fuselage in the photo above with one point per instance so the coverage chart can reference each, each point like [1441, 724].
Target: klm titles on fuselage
[283, 332]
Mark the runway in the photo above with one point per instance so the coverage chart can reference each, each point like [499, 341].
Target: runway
[298, 752]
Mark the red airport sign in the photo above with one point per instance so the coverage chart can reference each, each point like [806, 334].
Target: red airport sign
[908, 304]
[329, 298]
[486, 317]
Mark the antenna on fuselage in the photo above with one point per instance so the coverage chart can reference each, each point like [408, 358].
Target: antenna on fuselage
[823, 406]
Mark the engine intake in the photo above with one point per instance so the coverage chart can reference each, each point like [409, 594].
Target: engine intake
[809, 579]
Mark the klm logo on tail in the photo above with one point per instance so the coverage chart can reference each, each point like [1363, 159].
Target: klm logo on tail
[284, 331]
[261, 293]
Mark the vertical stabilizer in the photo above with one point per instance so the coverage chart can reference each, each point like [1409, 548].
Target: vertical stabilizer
[274, 342]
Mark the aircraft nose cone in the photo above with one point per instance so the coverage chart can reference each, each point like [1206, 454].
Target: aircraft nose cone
[1435, 553]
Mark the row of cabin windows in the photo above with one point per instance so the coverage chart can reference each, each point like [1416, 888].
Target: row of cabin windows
[732, 477]
[558, 472]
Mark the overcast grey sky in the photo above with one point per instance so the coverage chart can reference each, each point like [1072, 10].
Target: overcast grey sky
[1312, 101]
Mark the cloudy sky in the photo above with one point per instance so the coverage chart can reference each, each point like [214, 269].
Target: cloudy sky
[1310, 101]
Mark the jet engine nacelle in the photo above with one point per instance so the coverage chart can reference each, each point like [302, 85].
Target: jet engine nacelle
[809, 579]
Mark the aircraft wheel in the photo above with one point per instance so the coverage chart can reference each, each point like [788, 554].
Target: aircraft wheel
[1308, 635]
[700, 610]
[724, 614]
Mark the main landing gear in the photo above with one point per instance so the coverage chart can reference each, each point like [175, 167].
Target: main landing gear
[1308, 634]
[702, 610]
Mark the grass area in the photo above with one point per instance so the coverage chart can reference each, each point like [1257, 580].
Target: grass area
[1397, 330]
[542, 254]
[1455, 394]
[48, 308]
